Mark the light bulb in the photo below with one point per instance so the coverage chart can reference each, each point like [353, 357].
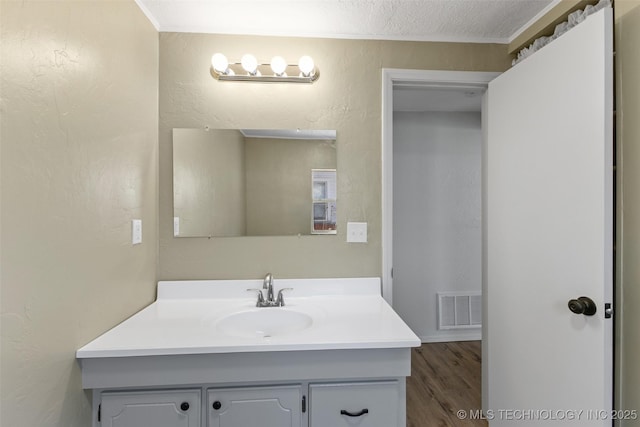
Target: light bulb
[278, 65]
[249, 63]
[306, 66]
[220, 63]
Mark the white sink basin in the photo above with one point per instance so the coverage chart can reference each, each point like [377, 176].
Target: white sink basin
[264, 322]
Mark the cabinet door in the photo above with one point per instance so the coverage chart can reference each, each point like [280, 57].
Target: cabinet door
[374, 404]
[170, 408]
[255, 406]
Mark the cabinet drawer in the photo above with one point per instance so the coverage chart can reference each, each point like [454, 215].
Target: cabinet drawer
[371, 404]
[170, 408]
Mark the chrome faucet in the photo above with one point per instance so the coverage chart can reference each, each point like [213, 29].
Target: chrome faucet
[267, 284]
[269, 301]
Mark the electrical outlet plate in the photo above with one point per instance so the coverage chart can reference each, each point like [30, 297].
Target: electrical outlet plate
[357, 232]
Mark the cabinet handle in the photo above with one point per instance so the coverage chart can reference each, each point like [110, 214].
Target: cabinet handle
[352, 414]
[217, 405]
[184, 406]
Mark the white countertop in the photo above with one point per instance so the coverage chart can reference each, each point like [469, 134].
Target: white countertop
[347, 314]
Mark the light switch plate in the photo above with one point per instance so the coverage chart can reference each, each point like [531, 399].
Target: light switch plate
[356, 232]
[136, 231]
[176, 226]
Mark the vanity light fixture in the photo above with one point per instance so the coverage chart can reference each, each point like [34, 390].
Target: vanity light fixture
[277, 71]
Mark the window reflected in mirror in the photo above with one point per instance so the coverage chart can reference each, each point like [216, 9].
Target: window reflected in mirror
[324, 201]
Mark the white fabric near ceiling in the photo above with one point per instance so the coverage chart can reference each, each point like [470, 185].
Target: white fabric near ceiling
[573, 19]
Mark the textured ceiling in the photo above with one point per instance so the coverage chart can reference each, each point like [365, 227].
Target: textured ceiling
[491, 21]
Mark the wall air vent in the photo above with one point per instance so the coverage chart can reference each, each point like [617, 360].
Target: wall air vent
[459, 310]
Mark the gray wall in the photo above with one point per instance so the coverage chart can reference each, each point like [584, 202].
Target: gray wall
[79, 161]
[279, 183]
[209, 182]
[347, 97]
[436, 216]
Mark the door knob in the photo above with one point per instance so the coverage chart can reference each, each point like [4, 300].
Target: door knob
[582, 305]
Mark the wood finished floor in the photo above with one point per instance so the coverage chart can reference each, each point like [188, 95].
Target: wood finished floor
[445, 378]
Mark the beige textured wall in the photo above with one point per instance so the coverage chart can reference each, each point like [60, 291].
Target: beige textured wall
[279, 195]
[627, 28]
[79, 161]
[209, 182]
[347, 97]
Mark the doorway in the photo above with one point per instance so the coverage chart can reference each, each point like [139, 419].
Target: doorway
[442, 88]
[437, 211]
[437, 120]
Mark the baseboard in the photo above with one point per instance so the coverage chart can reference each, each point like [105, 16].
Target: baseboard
[470, 336]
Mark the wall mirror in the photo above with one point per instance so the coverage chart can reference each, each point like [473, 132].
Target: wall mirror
[254, 182]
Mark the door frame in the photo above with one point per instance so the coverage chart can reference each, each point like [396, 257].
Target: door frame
[419, 79]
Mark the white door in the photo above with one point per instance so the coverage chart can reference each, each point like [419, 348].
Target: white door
[548, 218]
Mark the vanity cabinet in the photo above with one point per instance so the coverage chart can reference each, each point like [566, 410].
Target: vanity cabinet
[176, 364]
[279, 406]
[305, 404]
[171, 408]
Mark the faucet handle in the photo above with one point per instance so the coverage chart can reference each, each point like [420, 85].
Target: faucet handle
[260, 296]
[280, 300]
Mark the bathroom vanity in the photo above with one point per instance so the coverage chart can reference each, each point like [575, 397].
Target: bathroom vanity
[204, 355]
